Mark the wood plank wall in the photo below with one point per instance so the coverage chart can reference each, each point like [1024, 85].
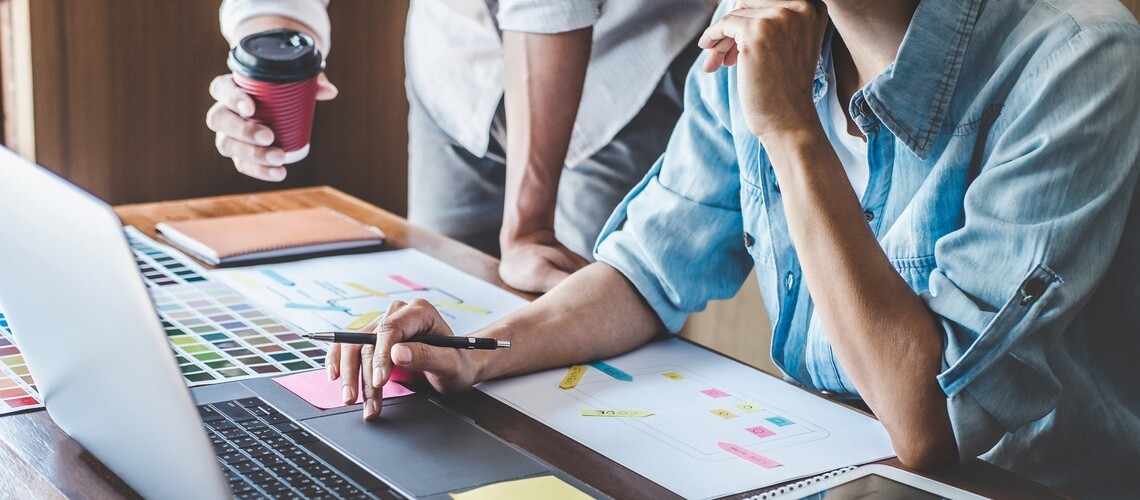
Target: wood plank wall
[121, 95]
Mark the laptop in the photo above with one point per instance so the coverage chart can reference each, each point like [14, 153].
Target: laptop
[72, 293]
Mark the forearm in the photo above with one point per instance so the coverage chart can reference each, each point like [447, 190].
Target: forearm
[884, 336]
[595, 313]
[543, 79]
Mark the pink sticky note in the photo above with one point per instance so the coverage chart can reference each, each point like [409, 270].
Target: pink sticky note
[750, 456]
[760, 431]
[314, 387]
[406, 282]
[714, 393]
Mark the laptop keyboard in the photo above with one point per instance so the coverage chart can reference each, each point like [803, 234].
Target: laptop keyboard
[266, 454]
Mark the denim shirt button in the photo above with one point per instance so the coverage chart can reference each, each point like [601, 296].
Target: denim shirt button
[1032, 289]
[748, 240]
[789, 281]
[869, 215]
[866, 109]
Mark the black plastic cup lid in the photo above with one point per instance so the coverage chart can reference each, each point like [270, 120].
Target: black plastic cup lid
[279, 56]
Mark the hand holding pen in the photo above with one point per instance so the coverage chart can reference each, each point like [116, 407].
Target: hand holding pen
[406, 338]
[432, 340]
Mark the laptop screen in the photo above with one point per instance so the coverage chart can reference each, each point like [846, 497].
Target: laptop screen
[73, 296]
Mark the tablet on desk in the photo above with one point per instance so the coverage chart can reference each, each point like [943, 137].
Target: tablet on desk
[877, 481]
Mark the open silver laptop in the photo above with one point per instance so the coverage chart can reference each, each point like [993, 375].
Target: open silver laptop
[74, 298]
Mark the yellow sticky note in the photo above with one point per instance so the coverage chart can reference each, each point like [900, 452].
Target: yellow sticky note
[247, 281]
[572, 377]
[459, 306]
[369, 291]
[748, 407]
[673, 375]
[725, 414]
[545, 487]
[593, 412]
[362, 320]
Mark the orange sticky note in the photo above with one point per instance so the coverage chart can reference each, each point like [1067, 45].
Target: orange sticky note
[315, 387]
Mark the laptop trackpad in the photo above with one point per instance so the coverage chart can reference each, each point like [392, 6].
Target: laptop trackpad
[424, 449]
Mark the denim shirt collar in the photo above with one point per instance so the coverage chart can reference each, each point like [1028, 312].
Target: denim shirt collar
[912, 95]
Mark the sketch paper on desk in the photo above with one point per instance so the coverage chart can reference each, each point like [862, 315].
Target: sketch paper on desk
[700, 424]
[349, 291]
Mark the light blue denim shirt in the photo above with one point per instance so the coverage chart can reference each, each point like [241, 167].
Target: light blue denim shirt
[1004, 147]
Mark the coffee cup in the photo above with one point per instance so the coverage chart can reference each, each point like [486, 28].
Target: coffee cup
[278, 69]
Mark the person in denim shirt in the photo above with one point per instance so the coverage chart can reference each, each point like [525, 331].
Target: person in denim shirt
[981, 294]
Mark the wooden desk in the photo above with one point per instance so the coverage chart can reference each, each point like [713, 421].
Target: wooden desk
[40, 461]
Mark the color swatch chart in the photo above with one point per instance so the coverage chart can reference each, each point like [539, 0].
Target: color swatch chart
[17, 389]
[215, 333]
[348, 292]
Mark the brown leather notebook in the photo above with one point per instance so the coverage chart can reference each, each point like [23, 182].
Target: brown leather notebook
[240, 238]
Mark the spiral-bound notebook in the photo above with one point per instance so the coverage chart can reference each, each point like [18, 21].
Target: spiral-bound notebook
[789, 489]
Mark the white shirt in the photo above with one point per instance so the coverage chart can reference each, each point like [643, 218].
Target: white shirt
[455, 63]
[852, 151]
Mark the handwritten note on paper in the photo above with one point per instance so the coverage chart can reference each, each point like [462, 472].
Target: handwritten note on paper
[315, 388]
[748, 455]
[545, 487]
[593, 412]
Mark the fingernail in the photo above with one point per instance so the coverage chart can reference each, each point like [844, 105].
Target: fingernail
[377, 377]
[401, 354]
[349, 397]
[371, 408]
[245, 108]
[275, 157]
[331, 370]
[277, 173]
[263, 137]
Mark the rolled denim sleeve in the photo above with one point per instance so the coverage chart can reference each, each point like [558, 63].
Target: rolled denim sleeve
[1043, 220]
[311, 13]
[676, 236]
[548, 16]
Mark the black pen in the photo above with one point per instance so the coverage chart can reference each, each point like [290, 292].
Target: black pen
[433, 340]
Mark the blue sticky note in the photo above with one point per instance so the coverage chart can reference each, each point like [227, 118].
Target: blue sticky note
[612, 371]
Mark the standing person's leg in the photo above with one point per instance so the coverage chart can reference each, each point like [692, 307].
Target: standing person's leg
[451, 191]
[588, 193]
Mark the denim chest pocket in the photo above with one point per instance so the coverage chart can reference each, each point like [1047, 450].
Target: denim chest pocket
[757, 237]
[915, 270]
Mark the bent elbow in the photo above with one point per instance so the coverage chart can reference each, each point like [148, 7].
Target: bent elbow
[927, 454]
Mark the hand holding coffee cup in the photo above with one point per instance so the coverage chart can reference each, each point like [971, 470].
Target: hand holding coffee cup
[264, 114]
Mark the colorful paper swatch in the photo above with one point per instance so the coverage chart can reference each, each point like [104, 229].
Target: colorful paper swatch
[216, 334]
[17, 389]
[159, 266]
[315, 387]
